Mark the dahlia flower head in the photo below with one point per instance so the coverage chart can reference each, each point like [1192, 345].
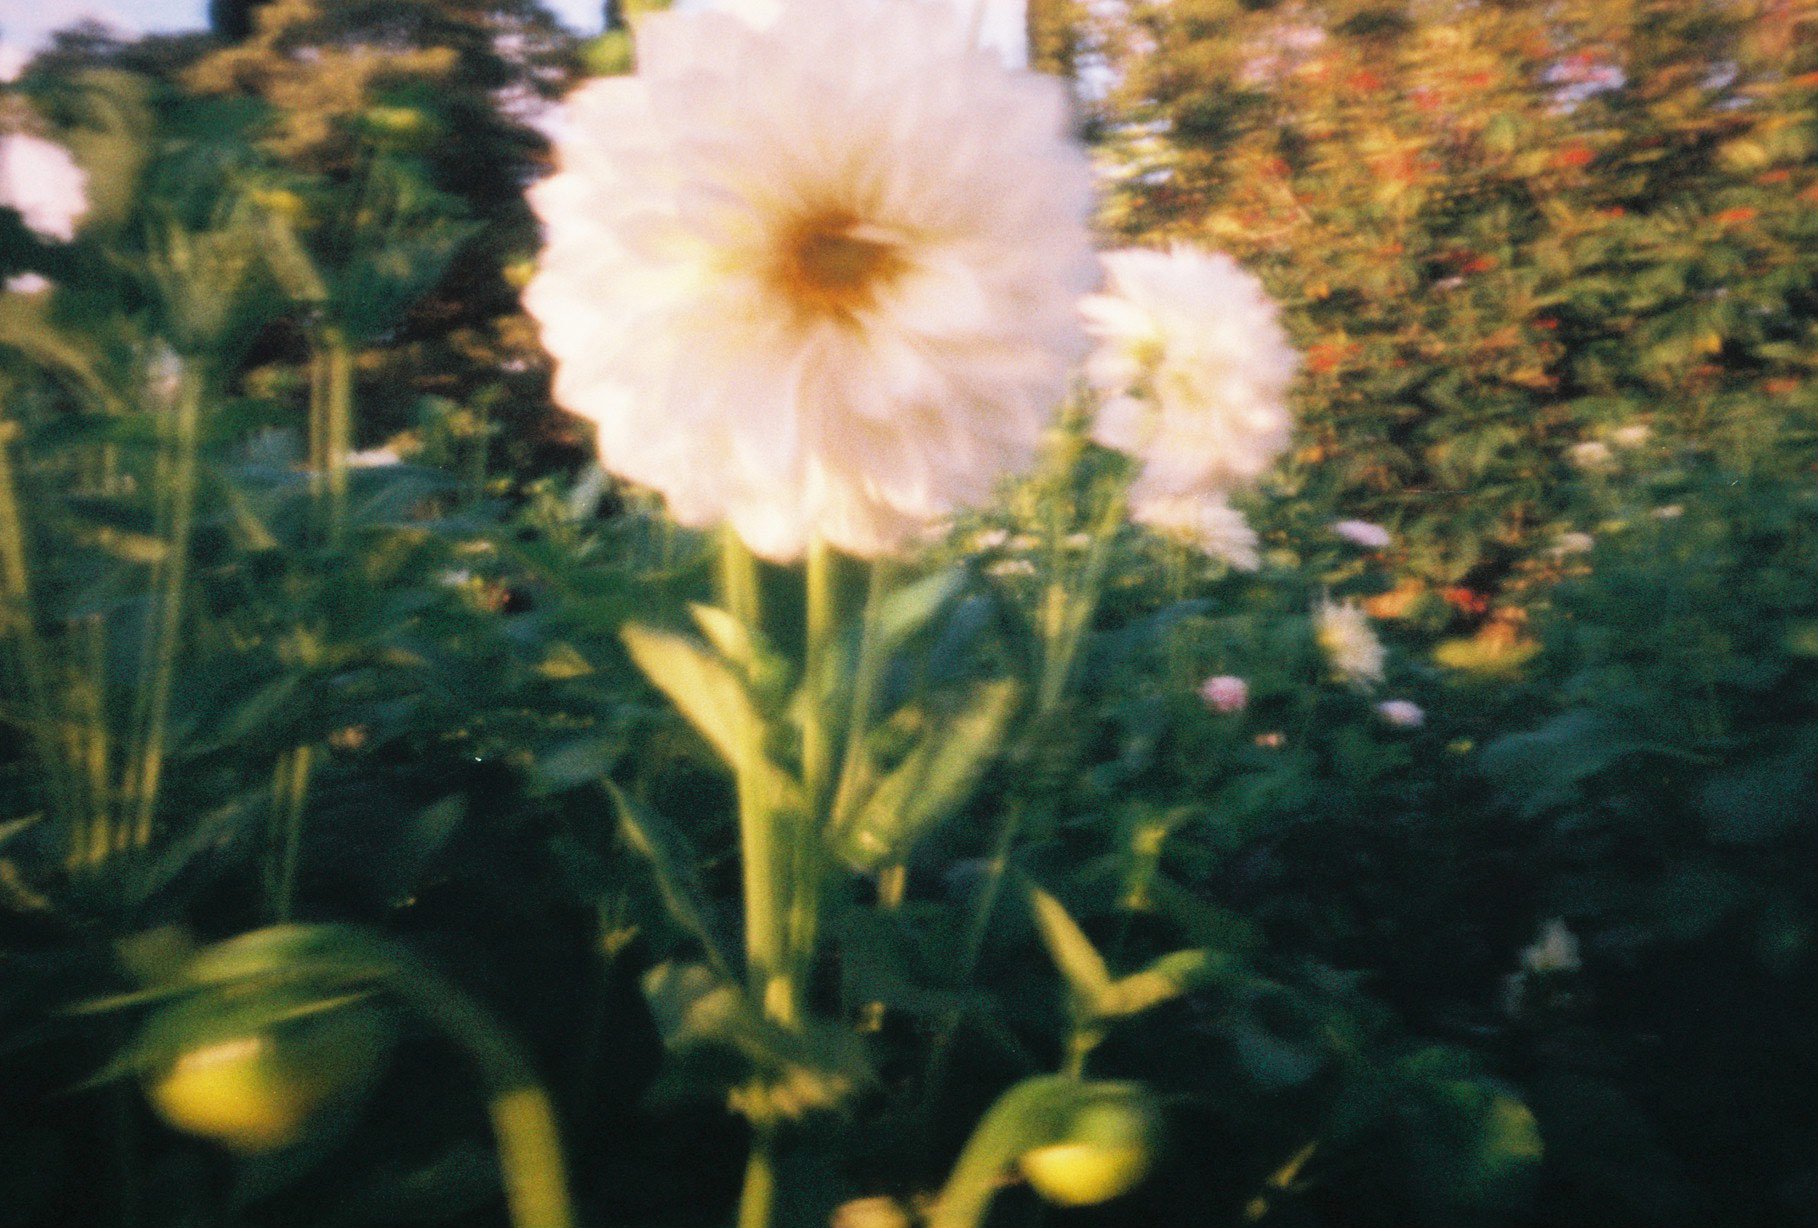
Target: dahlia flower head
[1192, 367]
[1226, 693]
[1364, 534]
[1207, 522]
[1555, 950]
[812, 271]
[41, 180]
[1401, 713]
[1345, 635]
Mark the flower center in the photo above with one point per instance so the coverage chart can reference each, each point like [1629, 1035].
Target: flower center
[834, 264]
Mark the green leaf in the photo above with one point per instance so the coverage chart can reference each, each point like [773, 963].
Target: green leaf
[690, 1003]
[702, 688]
[1073, 953]
[12, 827]
[777, 1073]
[908, 609]
[727, 634]
[672, 861]
[1164, 980]
[936, 778]
[575, 762]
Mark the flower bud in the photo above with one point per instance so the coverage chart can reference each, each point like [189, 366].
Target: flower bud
[1106, 1151]
[1226, 693]
[1402, 713]
[250, 1073]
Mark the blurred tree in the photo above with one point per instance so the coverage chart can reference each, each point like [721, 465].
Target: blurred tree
[443, 92]
[1500, 232]
[233, 19]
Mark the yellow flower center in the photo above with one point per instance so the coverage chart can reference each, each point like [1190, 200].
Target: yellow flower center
[834, 264]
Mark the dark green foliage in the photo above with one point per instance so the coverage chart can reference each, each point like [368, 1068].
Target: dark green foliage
[399, 696]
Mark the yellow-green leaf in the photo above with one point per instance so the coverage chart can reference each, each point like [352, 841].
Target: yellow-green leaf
[1078, 960]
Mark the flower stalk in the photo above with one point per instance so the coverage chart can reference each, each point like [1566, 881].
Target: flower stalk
[177, 466]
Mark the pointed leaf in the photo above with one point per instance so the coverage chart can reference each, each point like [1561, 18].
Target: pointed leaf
[702, 688]
[936, 779]
[907, 610]
[1167, 978]
[672, 861]
[726, 633]
[1078, 960]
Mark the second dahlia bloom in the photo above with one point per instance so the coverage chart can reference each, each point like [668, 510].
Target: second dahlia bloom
[1349, 642]
[812, 271]
[1193, 367]
[41, 180]
[1208, 523]
[1364, 533]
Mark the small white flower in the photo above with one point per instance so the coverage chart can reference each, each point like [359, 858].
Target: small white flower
[1556, 950]
[27, 283]
[163, 372]
[1206, 522]
[1344, 634]
[1077, 541]
[1402, 713]
[1633, 435]
[813, 272]
[1671, 511]
[990, 539]
[374, 458]
[41, 180]
[1512, 993]
[1573, 543]
[1004, 568]
[1226, 693]
[1193, 366]
[1363, 533]
[1591, 455]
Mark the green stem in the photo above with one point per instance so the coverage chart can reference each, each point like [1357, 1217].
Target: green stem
[342, 958]
[761, 850]
[738, 580]
[803, 863]
[318, 422]
[147, 765]
[757, 1198]
[290, 789]
[338, 424]
[87, 740]
[1068, 614]
[1026, 1116]
[19, 623]
[524, 1126]
[864, 691]
[817, 734]
[1071, 607]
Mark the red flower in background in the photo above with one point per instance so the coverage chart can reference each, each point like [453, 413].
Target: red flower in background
[1465, 600]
